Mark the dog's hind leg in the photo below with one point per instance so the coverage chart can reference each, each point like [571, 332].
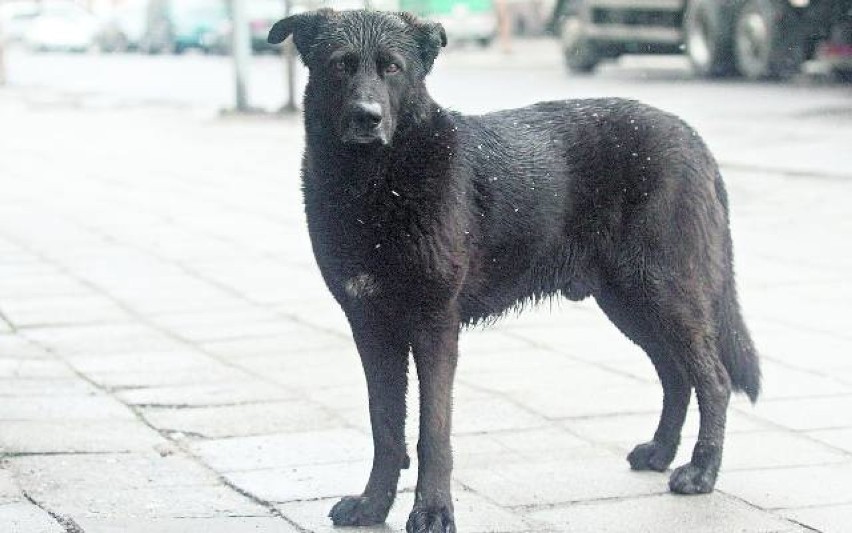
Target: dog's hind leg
[384, 356]
[678, 319]
[658, 453]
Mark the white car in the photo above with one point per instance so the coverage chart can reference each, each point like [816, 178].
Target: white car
[15, 18]
[62, 26]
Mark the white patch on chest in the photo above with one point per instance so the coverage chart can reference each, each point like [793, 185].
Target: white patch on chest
[361, 286]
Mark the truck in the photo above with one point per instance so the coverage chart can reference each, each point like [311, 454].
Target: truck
[756, 39]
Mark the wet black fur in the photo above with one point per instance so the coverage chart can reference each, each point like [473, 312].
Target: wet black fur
[461, 218]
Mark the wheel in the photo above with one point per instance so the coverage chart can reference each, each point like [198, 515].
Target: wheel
[581, 54]
[843, 74]
[708, 38]
[767, 43]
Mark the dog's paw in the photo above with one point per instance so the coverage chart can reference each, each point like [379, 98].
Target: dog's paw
[693, 479]
[652, 455]
[359, 511]
[435, 519]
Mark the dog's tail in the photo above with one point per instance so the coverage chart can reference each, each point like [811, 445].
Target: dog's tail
[734, 341]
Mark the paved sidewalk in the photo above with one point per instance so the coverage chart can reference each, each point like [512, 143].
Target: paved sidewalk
[170, 360]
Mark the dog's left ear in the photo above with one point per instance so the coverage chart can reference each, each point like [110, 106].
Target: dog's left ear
[430, 35]
[303, 27]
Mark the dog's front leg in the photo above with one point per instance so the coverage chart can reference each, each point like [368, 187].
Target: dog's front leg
[435, 353]
[384, 356]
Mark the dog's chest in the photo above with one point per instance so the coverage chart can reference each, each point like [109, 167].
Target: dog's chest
[383, 246]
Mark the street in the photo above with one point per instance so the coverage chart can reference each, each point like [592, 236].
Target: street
[171, 361]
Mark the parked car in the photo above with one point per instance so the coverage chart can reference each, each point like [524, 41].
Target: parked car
[758, 39]
[123, 28]
[62, 26]
[463, 20]
[262, 14]
[179, 25]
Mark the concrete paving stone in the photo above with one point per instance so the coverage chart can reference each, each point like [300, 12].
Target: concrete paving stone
[826, 519]
[14, 386]
[204, 374]
[522, 446]
[41, 285]
[543, 483]
[764, 449]
[489, 340]
[798, 348]
[119, 471]
[242, 420]
[310, 370]
[838, 438]
[502, 367]
[33, 368]
[308, 341]
[319, 313]
[17, 347]
[64, 310]
[572, 400]
[713, 513]
[302, 339]
[149, 503]
[236, 391]
[491, 413]
[247, 524]
[207, 327]
[69, 436]
[57, 408]
[791, 487]
[24, 517]
[636, 428]
[9, 490]
[783, 382]
[103, 339]
[286, 450]
[473, 513]
[166, 361]
[312, 482]
[808, 413]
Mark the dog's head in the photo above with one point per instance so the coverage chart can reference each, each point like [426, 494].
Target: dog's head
[363, 66]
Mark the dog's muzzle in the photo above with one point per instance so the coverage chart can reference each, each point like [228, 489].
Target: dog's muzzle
[365, 124]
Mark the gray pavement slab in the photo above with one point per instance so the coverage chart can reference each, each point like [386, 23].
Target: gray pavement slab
[24, 517]
[223, 524]
[473, 513]
[714, 513]
[827, 519]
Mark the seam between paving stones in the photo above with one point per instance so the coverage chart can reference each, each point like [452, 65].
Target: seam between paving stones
[773, 512]
[66, 522]
[269, 506]
[217, 284]
[771, 425]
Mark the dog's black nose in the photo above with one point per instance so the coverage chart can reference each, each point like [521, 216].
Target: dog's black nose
[368, 115]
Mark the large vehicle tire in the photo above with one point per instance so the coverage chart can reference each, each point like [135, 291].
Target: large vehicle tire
[767, 41]
[581, 54]
[708, 35]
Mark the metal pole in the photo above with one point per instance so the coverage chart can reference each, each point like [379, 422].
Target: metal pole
[241, 52]
[289, 52]
[2, 56]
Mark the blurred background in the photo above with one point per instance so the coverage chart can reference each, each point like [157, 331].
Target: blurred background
[179, 51]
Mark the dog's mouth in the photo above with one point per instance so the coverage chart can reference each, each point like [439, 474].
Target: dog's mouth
[378, 138]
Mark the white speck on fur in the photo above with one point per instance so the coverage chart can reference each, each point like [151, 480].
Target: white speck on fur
[360, 286]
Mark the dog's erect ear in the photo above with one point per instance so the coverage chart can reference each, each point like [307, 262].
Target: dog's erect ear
[430, 35]
[303, 27]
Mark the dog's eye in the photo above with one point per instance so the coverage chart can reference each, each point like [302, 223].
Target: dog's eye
[392, 68]
[339, 66]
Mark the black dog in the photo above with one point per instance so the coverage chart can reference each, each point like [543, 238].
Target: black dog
[423, 220]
